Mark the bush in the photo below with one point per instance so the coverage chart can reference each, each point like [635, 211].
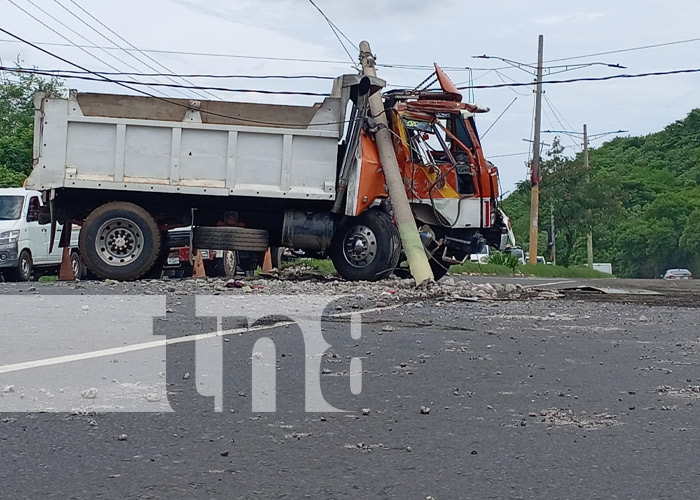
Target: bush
[504, 259]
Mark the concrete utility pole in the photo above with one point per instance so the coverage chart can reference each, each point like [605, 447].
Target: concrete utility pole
[589, 221]
[535, 196]
[410, 238]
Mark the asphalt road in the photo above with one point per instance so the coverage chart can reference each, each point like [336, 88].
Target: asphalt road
[574, 398]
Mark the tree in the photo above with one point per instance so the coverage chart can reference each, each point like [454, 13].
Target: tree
[17, 122]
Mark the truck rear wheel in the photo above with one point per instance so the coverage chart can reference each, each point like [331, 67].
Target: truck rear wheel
[366, 247]
[230, 238]
[120, 241]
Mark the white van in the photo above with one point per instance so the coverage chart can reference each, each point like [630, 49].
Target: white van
[24, 243]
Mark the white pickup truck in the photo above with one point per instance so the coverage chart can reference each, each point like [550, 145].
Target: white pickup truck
[24, 243]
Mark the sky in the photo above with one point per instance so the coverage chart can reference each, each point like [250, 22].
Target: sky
[259, 37]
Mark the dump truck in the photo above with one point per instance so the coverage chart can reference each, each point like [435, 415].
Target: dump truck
[248, 176]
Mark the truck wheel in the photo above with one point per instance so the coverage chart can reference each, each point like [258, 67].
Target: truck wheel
[120, 241]
[366, 247]
[79, 270]
[24, 267]
[230, 238]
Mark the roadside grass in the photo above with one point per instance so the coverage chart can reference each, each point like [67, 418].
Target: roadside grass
[325, 266]
[537, 270]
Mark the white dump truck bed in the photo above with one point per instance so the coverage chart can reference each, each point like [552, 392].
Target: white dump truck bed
[106, 141]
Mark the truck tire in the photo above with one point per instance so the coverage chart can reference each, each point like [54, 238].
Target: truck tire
[230, 238]
[366, 247]
[119, 241]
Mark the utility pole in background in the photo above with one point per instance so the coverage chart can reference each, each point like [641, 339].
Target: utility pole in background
[535, 195]
[589, 222]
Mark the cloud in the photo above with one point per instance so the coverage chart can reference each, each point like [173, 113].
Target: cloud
[572, 18]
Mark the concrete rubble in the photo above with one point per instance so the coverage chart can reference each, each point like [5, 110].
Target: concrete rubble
[301, 280]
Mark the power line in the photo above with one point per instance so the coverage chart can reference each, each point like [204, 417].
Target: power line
[510, 154]
[412, 67]
[556, 111]
[71, 30]
[112, 41]
[169, 101]
[502, 77]
[129, 44]
[337, 32]
[101, 78]
[499, 117]
[558, 119]
[183, 76]
[590, 79]
[618, 51]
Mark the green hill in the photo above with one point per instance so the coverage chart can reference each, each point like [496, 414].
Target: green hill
[644, 201]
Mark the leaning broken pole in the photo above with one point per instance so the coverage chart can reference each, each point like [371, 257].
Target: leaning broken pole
[410, 238]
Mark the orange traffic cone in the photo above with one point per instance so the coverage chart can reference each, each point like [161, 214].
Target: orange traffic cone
[198, 269]
[267, 262]
[65, 272]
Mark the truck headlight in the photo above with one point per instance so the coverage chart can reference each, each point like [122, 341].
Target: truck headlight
[9, 237]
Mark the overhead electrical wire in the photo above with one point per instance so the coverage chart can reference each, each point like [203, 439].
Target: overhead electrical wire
[264, 58]
[493, 86]
[619, 51]
[556, 111]
[100, 78]
[337, 32]
[589, 79]
[262, 77]
[110, 40]
[558, 119]
[561, 120]
[169, 101]
[502, 77]
[499, 117]
[68, 39]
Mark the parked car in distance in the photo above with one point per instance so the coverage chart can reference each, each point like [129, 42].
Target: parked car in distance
[677, 274]
[25, 245]
[517, 252]
[482, 256]
[178, 263]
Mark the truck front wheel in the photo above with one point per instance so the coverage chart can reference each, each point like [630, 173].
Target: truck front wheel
[366, 247]
[120, 241]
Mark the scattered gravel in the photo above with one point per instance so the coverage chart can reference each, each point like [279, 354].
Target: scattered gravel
[304, 280]
[562, 417]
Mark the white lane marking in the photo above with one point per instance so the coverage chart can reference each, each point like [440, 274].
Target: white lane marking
[550, 283]
[165, 342]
